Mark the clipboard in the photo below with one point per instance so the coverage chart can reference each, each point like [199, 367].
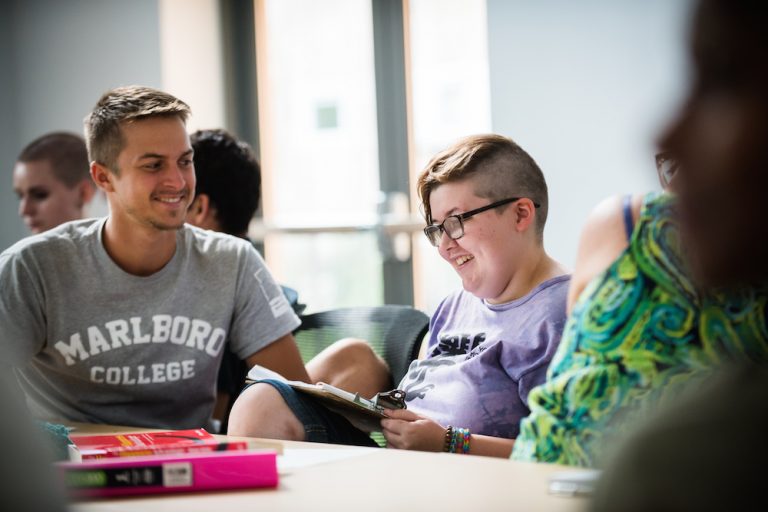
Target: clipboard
[363, 413]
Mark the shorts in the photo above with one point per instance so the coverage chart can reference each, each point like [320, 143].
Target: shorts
[321, 425]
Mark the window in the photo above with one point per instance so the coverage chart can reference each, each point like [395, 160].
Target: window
[319, 149]
[451, 98]
[320, 133]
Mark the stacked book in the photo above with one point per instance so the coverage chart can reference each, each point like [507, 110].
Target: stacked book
[163, 462]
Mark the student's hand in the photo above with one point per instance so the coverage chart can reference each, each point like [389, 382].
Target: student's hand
[407, 430]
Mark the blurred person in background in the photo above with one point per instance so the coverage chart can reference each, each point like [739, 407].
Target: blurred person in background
[52, 180]
[227, 194]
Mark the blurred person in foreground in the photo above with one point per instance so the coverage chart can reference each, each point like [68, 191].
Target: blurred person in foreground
[708, 452]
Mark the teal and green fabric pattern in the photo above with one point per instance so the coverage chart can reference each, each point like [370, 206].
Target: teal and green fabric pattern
[639, 334]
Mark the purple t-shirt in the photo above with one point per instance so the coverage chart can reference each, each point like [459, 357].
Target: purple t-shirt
[483, 359]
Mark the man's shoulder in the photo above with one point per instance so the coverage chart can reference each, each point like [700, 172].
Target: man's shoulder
[57, 240]
[214, 243]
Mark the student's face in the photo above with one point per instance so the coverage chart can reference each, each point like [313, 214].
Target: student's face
[485, 256]
[44, 201]
[155, 183]
[719, 140]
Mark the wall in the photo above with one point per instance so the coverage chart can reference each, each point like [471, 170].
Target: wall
[585, 87]
[191, 33]
[57, 58]
[11, 228]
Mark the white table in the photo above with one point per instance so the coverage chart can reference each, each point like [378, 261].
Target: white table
[371, 480]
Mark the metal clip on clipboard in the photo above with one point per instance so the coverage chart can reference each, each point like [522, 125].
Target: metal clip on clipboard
[393, 399]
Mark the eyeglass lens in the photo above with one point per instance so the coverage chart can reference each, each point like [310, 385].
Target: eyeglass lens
[667, 167]
[452, 226]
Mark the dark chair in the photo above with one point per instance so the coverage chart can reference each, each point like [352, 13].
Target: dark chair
[232, 371]
[394, 332]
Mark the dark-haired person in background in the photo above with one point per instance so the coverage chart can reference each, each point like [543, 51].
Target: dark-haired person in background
[226, 199]
[52, 180]
[228, 183]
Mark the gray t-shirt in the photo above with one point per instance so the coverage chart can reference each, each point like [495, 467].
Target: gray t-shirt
[483, 359]
[93, 343]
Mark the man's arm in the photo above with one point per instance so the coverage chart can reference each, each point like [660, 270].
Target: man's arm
[23, 325]
[281, 356]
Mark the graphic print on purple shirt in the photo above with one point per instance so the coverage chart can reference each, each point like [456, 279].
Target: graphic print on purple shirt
[455, 344]
[483, 359]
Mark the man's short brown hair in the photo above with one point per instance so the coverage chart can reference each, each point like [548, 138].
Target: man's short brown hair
[499, 168]
[125, 104]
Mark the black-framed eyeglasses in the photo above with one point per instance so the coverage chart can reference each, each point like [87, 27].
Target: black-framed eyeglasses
[453, 225]
[667, 167]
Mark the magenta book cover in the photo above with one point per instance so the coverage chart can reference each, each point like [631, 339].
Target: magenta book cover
[170, 473]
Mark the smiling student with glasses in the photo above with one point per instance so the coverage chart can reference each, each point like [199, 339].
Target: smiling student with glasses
[490, 343]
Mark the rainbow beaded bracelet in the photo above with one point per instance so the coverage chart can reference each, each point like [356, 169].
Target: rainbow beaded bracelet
[459, 440]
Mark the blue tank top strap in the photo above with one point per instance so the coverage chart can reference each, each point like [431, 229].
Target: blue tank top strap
[629, 224]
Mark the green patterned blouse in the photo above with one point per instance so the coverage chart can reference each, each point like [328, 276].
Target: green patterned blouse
[637, 336]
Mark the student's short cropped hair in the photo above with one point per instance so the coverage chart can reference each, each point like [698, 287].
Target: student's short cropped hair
[499, 168]
[125, 104]
[66, 154]
[228, 172]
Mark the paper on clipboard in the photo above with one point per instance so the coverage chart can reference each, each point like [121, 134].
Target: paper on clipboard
[363, 413]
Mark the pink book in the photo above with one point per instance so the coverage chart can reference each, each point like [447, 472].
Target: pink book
[169, 473]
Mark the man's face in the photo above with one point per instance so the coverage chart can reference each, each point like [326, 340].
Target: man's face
[485, 257]
[719, 141]
[44, 201]
[155, 182]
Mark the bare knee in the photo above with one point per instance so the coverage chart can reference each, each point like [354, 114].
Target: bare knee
[351, 364]
[348, 351]
[342, 356]
[260, 411]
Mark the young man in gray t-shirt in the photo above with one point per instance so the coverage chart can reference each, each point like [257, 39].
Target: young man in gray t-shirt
[122, 320]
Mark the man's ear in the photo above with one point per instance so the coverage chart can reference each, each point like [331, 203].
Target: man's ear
[102, 177]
